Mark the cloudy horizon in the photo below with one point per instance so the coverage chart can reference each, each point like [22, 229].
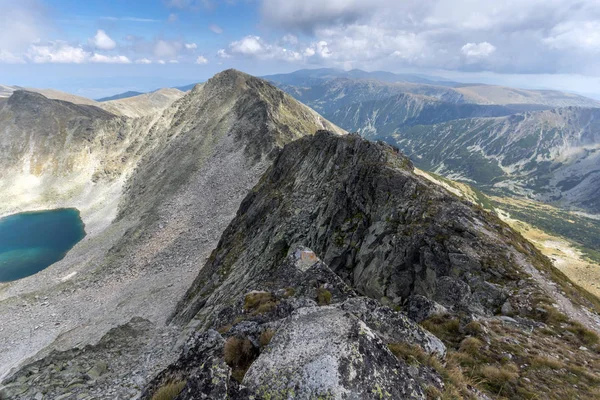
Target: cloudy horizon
[96, 49]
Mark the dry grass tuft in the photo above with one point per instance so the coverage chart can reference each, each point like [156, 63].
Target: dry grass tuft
[323, 297]
[265, 337]
[259, 302]
[471, 346]
[169, 391]
[239, 354]
[498, 378]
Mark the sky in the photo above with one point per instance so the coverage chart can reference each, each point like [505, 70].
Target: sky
[96, 48]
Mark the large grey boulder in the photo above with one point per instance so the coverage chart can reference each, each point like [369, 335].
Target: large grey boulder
[325, 352]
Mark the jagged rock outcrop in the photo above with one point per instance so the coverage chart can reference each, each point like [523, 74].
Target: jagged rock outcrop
[307, 335]
[177, 179]
[385, 231]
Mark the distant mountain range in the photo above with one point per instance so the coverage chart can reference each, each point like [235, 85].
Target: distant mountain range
[129, 94]
[120, 96]
[542, 144]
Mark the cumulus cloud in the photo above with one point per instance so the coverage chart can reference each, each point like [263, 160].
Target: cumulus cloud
[100, 58]
[478, 50]
[57, 52]
[535, 36]
[143, 61]
[102, 41]
[191, 46]
[201, 60]
[255, 47]
[222, 53]
[63, 53]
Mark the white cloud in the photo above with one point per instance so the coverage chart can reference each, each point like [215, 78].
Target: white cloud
[583, 36]
[173, 62]
[191, 46]
[172, 17]
[161, 62]
[536, 36]
[167, 49]
[143, 61]
[102, 41]
[255, 47]
[201, 60]
[216, 29]
[100, 58]
[57, 52]
[478, 50]
[222, 53]
[23, 22]
[7, 57]
[63, 53]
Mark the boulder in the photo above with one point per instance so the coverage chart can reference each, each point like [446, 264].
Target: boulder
[326, 352]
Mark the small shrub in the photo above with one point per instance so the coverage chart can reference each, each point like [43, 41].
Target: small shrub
[410, 353]
[447, 329]
[471, 346]
[585, 335]
[289, 292]
[323, 297]
[500, 377]
[265, 337]
[239, 354]
[474, 328]
[432, 392]
[259, 302]
[546, 362]
[169, 391]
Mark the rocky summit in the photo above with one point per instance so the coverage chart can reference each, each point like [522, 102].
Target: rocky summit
[343, 274]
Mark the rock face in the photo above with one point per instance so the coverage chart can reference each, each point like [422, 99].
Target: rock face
[323, 352]
[298, 346]
[385, 231]
[141, 105]
[155, 194]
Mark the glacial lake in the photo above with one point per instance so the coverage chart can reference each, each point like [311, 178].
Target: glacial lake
[32, 241]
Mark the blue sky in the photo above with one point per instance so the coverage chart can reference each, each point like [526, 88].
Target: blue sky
[97, 48]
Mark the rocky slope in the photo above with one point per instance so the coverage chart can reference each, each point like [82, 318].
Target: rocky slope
[135, 181]
[268, 318]
[549, 155]
[343, 274]
[378, 118]
[7, 91]
[142, 104]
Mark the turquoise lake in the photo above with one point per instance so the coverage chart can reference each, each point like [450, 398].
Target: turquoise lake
[32, 241]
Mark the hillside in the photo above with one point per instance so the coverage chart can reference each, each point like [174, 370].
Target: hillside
[142, 104]
[548, 155]
[327, 90]
[379, 118]
[134, 181]
[241, 246]
[335, 207]
[119, 96]
[7, 91]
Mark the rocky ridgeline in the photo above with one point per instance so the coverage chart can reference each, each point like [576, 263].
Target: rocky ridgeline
[343, 275]
[269, 320]
[309, 336]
